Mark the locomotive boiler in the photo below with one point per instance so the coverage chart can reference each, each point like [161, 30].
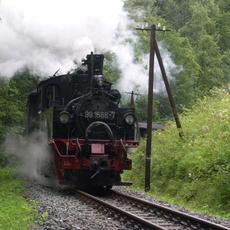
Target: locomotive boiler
[89, 133]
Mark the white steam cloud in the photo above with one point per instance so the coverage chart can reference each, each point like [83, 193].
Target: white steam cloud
[45, 35]
[136, 75]
[48, 34]
[31, 153]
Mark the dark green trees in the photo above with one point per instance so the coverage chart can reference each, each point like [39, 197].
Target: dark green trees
[199, 42]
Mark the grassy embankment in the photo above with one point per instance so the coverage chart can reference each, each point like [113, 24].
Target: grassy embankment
[194, 172]
[15, 212]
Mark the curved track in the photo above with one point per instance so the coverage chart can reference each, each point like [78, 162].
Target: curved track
[141, 214]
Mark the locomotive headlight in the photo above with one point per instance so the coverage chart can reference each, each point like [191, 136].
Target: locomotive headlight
[130, 119]
[64, 117]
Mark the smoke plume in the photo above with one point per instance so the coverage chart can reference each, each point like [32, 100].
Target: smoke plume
[136, 75]
[45, 35]
[31, 154]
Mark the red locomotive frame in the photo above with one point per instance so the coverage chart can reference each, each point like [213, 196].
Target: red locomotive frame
[72, 159]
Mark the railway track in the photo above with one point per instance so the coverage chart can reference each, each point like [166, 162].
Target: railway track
[137, 213]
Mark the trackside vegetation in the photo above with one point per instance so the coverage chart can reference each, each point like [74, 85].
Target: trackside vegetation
[15, 212]
[195, 171]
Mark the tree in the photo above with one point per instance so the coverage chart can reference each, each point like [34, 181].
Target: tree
[176, 12]
[13, 98]
[210, 59]
[25, 82]
[184, 82]
[141, 10]
[11, 112]
[226, 67]
[223, 22]
[111, 70]
[199, 24]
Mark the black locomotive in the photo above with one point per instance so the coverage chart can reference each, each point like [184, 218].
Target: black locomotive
[88, 132]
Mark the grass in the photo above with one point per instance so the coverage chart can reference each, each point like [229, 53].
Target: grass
[16, 213]
[193, 172]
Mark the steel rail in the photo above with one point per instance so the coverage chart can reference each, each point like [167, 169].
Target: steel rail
[204, 223]
[174, 216]
[136, 218]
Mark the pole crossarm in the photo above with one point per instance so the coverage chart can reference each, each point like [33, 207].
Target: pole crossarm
[149, 29]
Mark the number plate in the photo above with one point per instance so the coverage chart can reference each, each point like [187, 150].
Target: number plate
[109, 115]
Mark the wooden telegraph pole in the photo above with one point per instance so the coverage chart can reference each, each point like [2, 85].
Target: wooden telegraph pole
[154, 48]
[150, 110]
[152, 30]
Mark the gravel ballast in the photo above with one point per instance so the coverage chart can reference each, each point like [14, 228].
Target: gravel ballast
[63, 209]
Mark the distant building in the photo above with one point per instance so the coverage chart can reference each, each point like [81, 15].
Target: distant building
[143, 127]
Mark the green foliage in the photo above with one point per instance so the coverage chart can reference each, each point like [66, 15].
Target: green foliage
[13, 98]
[141, 10]
[141, 105]
[43, 217]
[200, 23]
[185, 82]
[224, 5]
[193, 171]
[15, 212]
[198, 42]
[223, 22]
[25, 82]
[226, 67]
[177, 13]
[11, 113]
[111, 70]
[210, 58]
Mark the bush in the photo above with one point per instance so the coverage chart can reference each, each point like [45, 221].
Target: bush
[194, 171]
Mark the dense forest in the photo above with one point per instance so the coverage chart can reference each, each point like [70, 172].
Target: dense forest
[198, 41]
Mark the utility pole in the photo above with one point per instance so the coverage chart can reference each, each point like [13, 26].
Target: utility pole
[150, 110]
[154, 48]
[150, 107]
[132, 101]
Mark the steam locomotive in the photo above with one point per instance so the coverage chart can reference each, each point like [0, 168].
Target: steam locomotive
[89, 133]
